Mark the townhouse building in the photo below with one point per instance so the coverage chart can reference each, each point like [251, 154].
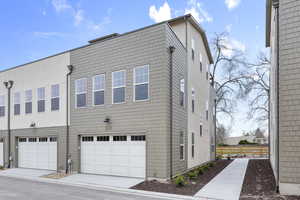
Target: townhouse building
[138, 104]
[282, 36]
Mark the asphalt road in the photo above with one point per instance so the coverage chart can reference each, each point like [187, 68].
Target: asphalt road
[19, 189]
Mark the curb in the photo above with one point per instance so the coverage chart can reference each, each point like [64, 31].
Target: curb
[111, 189]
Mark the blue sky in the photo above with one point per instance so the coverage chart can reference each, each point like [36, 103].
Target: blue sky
[32, 29]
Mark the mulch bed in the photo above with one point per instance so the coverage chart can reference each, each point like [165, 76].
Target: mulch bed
[259, 183]
[191, 188]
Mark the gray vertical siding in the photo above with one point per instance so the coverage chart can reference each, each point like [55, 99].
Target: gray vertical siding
[150, 118]
[289, 90]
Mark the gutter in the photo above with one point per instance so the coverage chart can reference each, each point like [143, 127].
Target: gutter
[276, 6]
[8, 85]
[171, 51]
[68, 157]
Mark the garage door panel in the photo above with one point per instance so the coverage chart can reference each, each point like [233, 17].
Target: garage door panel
[38, 155]
[121, 158]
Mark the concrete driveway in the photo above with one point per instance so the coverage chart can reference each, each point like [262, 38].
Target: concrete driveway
[25, 173]
[102, 180]
[18, 189]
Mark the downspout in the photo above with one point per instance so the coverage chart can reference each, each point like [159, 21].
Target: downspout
[276, 6]
[68, 157]
[171, 50]
[8, 85]
[215, 123]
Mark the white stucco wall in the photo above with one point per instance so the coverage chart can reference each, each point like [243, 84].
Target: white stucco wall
[43, 73]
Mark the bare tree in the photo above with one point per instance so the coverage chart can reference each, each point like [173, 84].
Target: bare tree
[260, 89]
[222, 133]
[229, 74]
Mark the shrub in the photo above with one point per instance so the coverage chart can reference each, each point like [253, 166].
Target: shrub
[211, 164]
[219, 157]
[193, 174]
[1, 167]
[180, 181]
[242, 142]
[200, 170]
[205, 167]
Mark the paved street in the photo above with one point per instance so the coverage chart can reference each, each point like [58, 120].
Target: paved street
[19, 189]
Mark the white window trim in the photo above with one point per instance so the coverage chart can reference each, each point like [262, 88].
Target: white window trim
[183, 106]
[53, 97]
[182, 145]
[25, 98]
[135, 84]
[3, 105]
[14, 103]
[193, 145]
[94, 90]
[80, 93]
[112, 87]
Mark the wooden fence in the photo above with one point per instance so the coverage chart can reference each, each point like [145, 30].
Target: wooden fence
[250, 151]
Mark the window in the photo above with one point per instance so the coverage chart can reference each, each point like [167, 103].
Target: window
[212, 148]
[193, 100]
[98, 89]
[182, 89]
[2, 105]
[120, 138]
[118, 86]
[141, 83]
[54, 97]
[193, 145]
[31, 139]
[43, 139]
[201, 131]
[22, 139]
[193, 49]
[87, 139]
[206, 113]
[17, 103]
[200, 59]
[53, 139]
[181, 147]
[207, 71]
[138, 138]
[28, 101]
[41, 99]
[103, 138]
[81, 92]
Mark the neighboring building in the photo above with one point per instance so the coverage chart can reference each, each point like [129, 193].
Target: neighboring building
[282, 36]
[139, 104]
[249, 138]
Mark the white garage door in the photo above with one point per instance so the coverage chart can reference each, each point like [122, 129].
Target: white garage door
[114, 155]
[37, 153]
[1, 153]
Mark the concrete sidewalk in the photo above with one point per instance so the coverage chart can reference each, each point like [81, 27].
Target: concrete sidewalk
[228, 184]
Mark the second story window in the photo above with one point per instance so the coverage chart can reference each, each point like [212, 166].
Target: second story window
[206, 113]
[28, 101]
[207, 71]
[81, 92]
[200, 61]
[41, 99]
[201, 131]
[2, 105]
[182, 89]
[98, 89]
[54, 97]
[193, 100]
[17, 103]
[118, 86]
[141, 83]
[193, 49]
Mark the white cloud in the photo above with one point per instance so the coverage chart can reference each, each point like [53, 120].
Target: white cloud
[199, 13]
[231, 46]
[161, 14]
[231, 4]
[99, 26]
[61, 5]
[228, 28]
[78, 17]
